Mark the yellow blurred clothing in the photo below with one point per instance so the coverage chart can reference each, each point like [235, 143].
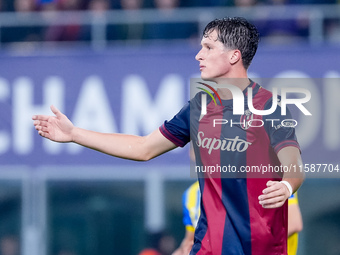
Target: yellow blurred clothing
[292, 242]
[191, 207]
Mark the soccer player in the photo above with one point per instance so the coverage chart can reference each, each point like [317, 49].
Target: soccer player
[238, 215]
[191, 212]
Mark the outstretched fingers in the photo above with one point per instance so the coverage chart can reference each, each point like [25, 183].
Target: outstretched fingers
[47, 117]
[57, 128]
[41, 117]
[39, 124]
[42, 126]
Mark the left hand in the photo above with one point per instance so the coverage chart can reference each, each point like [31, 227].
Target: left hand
[274, 195]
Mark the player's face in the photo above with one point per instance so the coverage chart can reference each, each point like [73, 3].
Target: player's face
[213, 58]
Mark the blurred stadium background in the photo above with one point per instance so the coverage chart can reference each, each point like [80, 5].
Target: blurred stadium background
[125, 66]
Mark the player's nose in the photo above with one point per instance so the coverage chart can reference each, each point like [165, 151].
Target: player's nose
[199, 56]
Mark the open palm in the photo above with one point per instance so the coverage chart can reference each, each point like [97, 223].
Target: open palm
[57, 128]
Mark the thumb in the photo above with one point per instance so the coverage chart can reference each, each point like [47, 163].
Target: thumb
[56, 111]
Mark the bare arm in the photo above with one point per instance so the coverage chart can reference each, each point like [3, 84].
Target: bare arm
[59, 128]
[277, 193]
[295, 223]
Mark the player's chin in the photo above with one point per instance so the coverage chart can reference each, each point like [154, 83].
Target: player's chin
[207, 77]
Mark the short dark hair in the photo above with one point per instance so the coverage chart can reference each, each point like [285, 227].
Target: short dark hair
[236, 33]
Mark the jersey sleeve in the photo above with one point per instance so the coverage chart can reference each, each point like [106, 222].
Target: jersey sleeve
[187, 221]
[177, 130]
[190, 203]
[280, 128]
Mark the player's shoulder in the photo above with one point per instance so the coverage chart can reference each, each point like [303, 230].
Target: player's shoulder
[197, 98]
[267, 95]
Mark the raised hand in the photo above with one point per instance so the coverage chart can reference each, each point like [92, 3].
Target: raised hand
[57, 128]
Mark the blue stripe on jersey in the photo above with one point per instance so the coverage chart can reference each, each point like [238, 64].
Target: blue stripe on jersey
[236, 238]
[201, 227]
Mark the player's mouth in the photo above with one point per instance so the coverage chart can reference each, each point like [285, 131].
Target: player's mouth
[201, 67]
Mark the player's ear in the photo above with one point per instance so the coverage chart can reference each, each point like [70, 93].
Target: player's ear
[235, 56]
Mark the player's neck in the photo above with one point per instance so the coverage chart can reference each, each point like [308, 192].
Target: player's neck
[241, 83]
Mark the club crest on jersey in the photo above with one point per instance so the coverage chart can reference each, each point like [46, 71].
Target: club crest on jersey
[245, 118]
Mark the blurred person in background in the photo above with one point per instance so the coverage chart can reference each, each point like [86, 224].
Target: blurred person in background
[99, 6]
[70, 5]
[280, 30]
[131, 4]
[162, 243]
[133, 29]
[9, 245]
[149, 251]
[3, 6]
[245, 3]
[66, 252]
[166, 5]
[191, 212]
[295, 223]
[166, 244]
[24, 8]
[332, 30]
[164, 30]
[71, 31]
[98, 9]
[48, 5]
